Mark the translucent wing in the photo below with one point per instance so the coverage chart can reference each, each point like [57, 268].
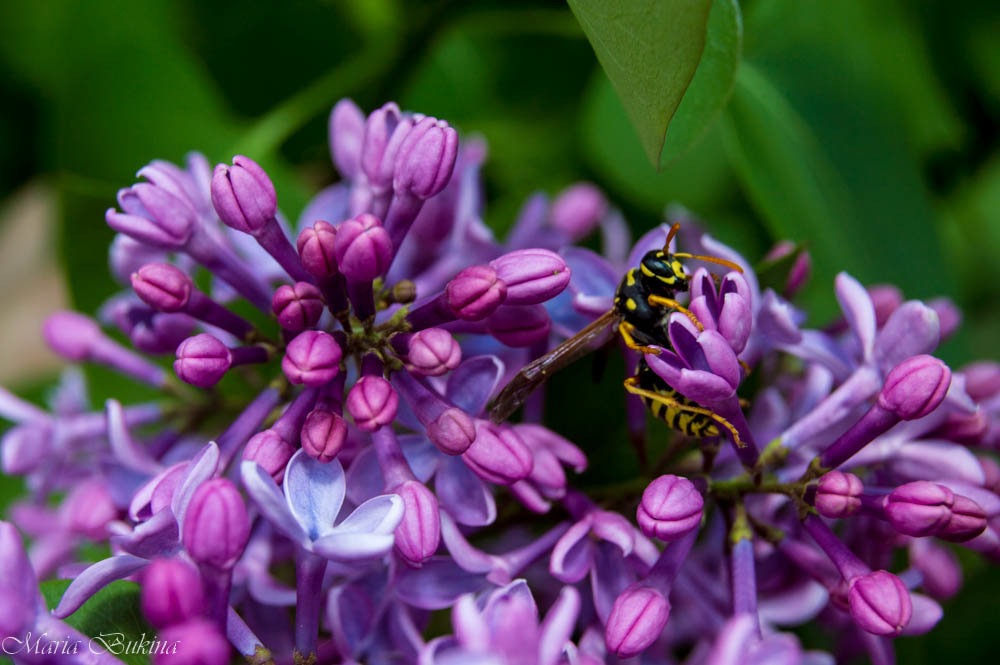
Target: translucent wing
[534, 373]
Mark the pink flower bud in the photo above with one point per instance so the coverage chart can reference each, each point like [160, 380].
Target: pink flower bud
[312, 358]
[316, 249]
[346, 131]
[216, 526]
[162, 286]
[578, 209]
[198, 641]
[171, 593]
[243, 195]
[915, 387]
[419, 534]
[153, 215]
[475, 293]
[982, 379]
[838, 494]
[71, 335]
[532, 276]
[919, 508]
[426, 158]
[519, 326]
[372, 403]
[88, 509]
[636, 621]
[452, 432]
[879, 603]
[363, 248]
[671, 507]
[886, 299]
[968, 520]
[202, 360]
[498, 454]
[297, 306]
[270, 451]
[323, 434]
[433, 352]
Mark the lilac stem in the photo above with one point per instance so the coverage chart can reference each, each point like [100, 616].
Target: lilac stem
[395, 469]
[289, 425]
[309, 569]
[275, 243]
[362, 298]
[334, 290]
[429, 313]
[875, 422]
[108, 352]
[844, 559]
[246, 424]
[744, 580]
[240, 635]
[203, 308]
[249, 355]
[664, 571]
[217, 583]
[403, 209]
[731, 411]
[219, 259]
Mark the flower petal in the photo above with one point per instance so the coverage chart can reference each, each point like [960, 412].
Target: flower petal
[437, 584]
[95, 578]
[858, 310]
[315, 492]
[264, 491]
[463, 495]
[472, 383]
[914, 328]
[381, 514]
[201, 468]
[353, 546]
[572, 555]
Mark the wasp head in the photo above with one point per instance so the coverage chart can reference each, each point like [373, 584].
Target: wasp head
[662, 270]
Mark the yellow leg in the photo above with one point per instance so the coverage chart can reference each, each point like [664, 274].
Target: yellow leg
[626, 330]
[673, 304]
[632, 387]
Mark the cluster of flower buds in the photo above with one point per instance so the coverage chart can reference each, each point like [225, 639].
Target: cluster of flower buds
[339, 427]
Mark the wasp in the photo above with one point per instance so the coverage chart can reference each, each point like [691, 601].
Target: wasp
[643, 299]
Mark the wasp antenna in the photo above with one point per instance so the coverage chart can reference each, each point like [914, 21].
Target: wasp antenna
[670, 236]
[710, 259]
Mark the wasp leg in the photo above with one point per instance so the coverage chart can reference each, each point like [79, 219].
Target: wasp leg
[627, 330]
[746, 368]
[673, 304]
[631, 385]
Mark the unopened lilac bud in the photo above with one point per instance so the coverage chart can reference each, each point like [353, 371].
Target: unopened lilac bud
[297, 306]
[88, 509]
[162, 286]
[171, 593]
[372, 403]
[671, 508]
[519, 326]
[532, 276]
[426, 158]
[475, 293]
[323, 434]
[886, 299]
[153, 215]
[498, 454]
[385, 130]
[879, 603]
[940, 569]
[202, 360]
[216, 525]
[270, 451]
[363, 248]
[452, 432]
[915, 387]
[991, 473]
[578, 209]
[919, 508]
[838, 494]
[968, 520]
[316, 249]
[982, 379]
[433, 352]
[312, 358]
[198, 642]
[636, 621]
[72, 335]
[799, 274]
[243, 195]
[347, 132]
[419, 534]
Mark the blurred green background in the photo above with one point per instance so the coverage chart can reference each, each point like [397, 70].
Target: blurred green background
[867, 128]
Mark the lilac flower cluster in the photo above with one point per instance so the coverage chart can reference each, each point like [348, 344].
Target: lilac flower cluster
[326, 518]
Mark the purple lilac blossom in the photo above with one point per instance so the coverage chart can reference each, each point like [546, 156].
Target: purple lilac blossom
[361, 458]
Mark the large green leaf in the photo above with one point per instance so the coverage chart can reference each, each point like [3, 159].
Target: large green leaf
[650, 50]
[111, 616]
[712, 83]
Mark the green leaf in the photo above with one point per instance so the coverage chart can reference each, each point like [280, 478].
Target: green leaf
[650, 49]
[111, 616]
[712, 83]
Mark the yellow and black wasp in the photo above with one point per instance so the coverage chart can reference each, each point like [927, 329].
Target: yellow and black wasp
[643, 300]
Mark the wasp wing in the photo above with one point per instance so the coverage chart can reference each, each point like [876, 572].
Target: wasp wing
[536, 372]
